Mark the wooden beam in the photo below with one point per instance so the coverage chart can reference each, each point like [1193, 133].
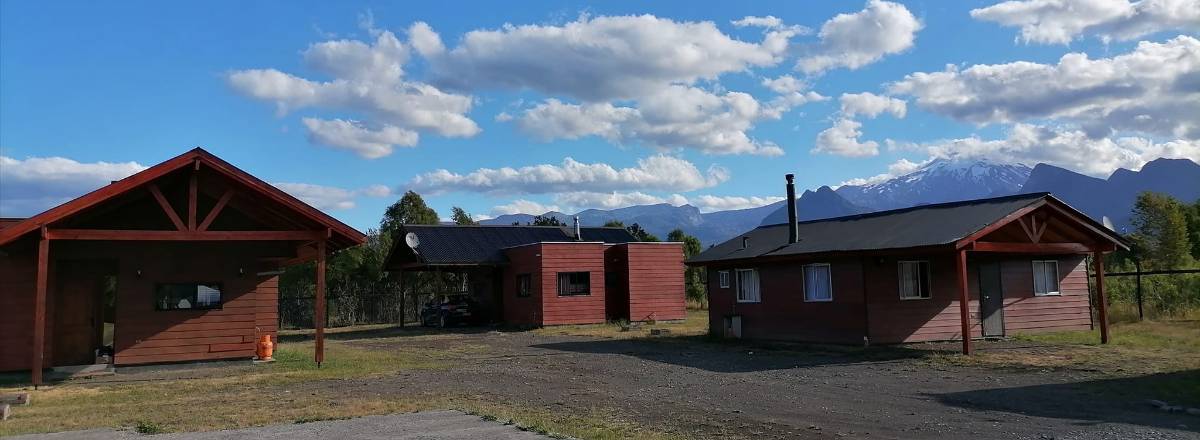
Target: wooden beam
[1101, 299]
[964, 299]
[39, 310]
[1030, 248]
[191, 224]
[319, 307]
[1028, 232]
[166, 206]
[216, 209]
[1015, 215]
[158, 235]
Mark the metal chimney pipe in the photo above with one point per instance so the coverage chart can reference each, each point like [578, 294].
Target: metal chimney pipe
[578, 235]
[793, 228]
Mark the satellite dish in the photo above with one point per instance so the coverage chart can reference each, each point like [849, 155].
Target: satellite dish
[412, 240]
[1107, 223]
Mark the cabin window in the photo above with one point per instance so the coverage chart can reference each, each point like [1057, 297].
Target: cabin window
[1045, 278]
[723, 276]
[914, 280]
[817, 284]
[187, 296]
[747, 286]
[524, 285]
[574, 283]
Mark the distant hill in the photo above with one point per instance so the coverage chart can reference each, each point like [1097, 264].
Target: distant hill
[1114, 197]
[814, 205]
[943, 180]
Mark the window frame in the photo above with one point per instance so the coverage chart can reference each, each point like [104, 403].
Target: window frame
[527, 278]
[1057, 286]
[928, 276]
[559, 278]
[219, 287]
[723, 279]
[758, 288]
[804, 281]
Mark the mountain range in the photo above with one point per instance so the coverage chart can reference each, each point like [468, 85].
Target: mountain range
[941, 180]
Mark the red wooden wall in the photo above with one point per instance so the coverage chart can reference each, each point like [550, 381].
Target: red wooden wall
[523, 310]
[655, 281]
[572, 257]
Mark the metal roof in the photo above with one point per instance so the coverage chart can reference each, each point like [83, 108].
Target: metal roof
[918, 226]
[449, 245]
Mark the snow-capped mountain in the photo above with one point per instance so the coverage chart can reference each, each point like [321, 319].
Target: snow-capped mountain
[942, 180]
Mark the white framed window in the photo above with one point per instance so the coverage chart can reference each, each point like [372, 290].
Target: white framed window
[747, 286]
[1045, 278]
[914, 280]
[723, 278]
[818, 287]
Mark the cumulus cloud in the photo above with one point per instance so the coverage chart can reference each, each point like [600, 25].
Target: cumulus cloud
[710, 203]
[864, 37]
[1069, 148]
[896, 169]
[1061, 21]
[661, 173]
[368, 79]
[611, 200]
[1153, 89]
[842, 140]
[32, 185]
[871, 105]
[331, 198]
[522, 206]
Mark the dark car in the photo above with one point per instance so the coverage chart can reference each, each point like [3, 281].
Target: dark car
[450, 310]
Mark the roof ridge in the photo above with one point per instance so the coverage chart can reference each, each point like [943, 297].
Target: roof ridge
[951, 204]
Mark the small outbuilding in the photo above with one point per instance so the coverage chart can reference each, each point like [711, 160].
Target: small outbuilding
[179, 262]
[976, 268]
[549, 275]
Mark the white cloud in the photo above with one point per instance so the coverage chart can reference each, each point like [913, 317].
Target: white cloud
[1154, 89]
[871, 105]
[368, 79]
[785, 84]
[864, 37]
[1061, 21]
[710, 203]
[896, 169]
[842, 140]
[580, 200]
[601, 58]
[32, 185]
[1067, 148]
[673, 118]
[353, 136]
[330, 198]
[768, 22]
[662, 173]
[522, 206]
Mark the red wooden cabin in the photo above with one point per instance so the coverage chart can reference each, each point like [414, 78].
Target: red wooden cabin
[550, 275]
[178, 262]
[913, 274]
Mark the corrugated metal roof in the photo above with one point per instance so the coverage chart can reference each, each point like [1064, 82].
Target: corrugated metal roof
[926, 225]
[465, 245]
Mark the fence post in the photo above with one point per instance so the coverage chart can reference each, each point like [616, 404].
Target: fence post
[1137, 264]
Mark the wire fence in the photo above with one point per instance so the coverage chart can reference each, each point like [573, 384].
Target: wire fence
[1150, 294]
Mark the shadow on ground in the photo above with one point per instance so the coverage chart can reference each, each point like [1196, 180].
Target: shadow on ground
[708, 354]
[390, 332]
[1118, 400]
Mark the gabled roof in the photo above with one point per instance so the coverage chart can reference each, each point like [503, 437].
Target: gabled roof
[914, 227]
[342, 235]
[453, 245]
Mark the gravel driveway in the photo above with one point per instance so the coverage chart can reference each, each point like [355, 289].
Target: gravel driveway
[422, 425]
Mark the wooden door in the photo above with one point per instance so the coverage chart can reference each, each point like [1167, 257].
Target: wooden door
[77, 320]
[991, 299]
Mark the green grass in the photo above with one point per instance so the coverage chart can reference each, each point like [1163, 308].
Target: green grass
[695, 324]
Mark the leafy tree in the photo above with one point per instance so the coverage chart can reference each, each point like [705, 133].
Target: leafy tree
[641, 234]
[460, 217]
[409, 210]
[546, 220]
[1193, 227]
[693, 276]
[1160, 231]
[614, 224]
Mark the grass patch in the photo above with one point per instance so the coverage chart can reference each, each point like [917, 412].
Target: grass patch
[149, 428]
[593, 425]
[695, 324]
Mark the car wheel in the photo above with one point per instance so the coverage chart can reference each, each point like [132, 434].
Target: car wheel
[442, 321]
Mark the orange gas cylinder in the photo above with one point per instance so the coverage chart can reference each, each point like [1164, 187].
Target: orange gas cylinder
[265, 348]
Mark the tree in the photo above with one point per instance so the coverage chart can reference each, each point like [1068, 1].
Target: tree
[641, 234]
[1193, 227]
[460, 217]
[409, 210]
[1160, 231]
[693, 276]
[614, 224]
[546, 220]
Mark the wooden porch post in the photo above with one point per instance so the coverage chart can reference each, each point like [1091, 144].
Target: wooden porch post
[39, 310]
[1101, 300]
[319, 308]
[964, 306]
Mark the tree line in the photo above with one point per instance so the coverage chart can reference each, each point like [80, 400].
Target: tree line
[1165, 236]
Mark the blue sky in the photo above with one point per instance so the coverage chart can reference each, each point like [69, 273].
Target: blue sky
[89, 92]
